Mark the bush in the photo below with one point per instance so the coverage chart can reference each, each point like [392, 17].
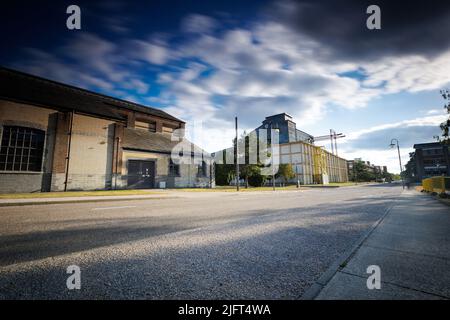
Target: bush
[224, 174]
[256, 180]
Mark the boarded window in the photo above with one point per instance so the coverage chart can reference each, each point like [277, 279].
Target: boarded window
[167, 129]
[147, 126]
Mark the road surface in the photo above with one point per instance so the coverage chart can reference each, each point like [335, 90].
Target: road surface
[201, 245]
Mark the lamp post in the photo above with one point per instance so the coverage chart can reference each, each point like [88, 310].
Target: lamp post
[272, 156]
[237, 154]
[392, 145]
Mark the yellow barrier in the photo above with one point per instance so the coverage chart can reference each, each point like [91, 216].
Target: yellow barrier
[436, 184]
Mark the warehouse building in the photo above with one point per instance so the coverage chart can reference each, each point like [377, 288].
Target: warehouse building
[312, 164]
[56, 137]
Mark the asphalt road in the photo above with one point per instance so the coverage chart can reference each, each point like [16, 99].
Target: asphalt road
[252, 245]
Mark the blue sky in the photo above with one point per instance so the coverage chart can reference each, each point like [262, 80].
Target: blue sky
[207, 61]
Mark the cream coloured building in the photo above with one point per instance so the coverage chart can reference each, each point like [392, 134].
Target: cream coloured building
[313, 164]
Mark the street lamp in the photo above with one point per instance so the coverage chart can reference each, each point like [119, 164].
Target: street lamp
[392, 145]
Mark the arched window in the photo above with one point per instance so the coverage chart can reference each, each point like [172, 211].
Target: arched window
[21, 149]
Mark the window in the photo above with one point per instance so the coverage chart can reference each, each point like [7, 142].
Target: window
[21, 149]
[147, 126]
[167, 129]
[174, 169]
[202, 169]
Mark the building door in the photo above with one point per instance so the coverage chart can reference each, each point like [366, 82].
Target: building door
[141, 174]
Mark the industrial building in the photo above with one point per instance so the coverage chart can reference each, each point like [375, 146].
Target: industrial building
[312, 164]
[57, 137]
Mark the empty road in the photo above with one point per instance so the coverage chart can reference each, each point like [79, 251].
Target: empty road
[198, 245]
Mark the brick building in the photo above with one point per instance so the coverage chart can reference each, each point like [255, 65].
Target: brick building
[58, 137]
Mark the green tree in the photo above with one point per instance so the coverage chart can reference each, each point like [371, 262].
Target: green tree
[445, 126]
[361, 172]
[250, 172]
[224, 173]
[255, 178]
[286, 172]
[410, 173]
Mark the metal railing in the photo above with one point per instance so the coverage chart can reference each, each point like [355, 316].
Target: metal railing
[436, 184]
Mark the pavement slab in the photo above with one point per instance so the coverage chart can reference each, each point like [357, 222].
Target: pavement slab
[411, 246]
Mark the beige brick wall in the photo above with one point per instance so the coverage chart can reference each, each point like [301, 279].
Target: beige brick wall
[188, 172]
[92, 145]
[33, 116]
[18, 114]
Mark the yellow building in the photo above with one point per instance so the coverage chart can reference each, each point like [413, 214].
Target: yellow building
[313, 164]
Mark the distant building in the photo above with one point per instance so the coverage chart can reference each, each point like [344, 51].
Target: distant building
[287, 129]
[58, 137]
[376, 170]
[432, 159]
[312, 164]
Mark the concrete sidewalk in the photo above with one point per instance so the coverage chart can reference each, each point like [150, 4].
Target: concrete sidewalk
[411, 245]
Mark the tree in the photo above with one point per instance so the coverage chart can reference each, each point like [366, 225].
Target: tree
[361, 172]
[410, 173]
[224, 173]
[445, 126]
[250, 172]
[286, 172]
[255, 178]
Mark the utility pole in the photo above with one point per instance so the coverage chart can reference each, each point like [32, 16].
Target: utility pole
[331, 141]
[335, 142]
[272, 156]
[237, 154]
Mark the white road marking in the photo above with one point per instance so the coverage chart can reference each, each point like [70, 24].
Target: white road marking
[108, 208]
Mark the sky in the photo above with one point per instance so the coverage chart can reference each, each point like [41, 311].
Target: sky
[209, 61]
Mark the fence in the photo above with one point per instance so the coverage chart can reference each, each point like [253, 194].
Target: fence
[436, 184]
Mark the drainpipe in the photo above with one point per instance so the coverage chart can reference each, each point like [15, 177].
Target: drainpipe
[69, 142]
[117, 161]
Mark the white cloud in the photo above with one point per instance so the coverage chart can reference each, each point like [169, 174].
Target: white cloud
[372, 144]
[151, 52]
[197, 23]
[213, 75]
[409, 73]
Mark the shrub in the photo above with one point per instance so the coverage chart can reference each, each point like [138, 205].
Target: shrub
[256, 180]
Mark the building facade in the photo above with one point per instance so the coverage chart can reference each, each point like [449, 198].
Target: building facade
[311, 164]
[56, 137]
[431, 159]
